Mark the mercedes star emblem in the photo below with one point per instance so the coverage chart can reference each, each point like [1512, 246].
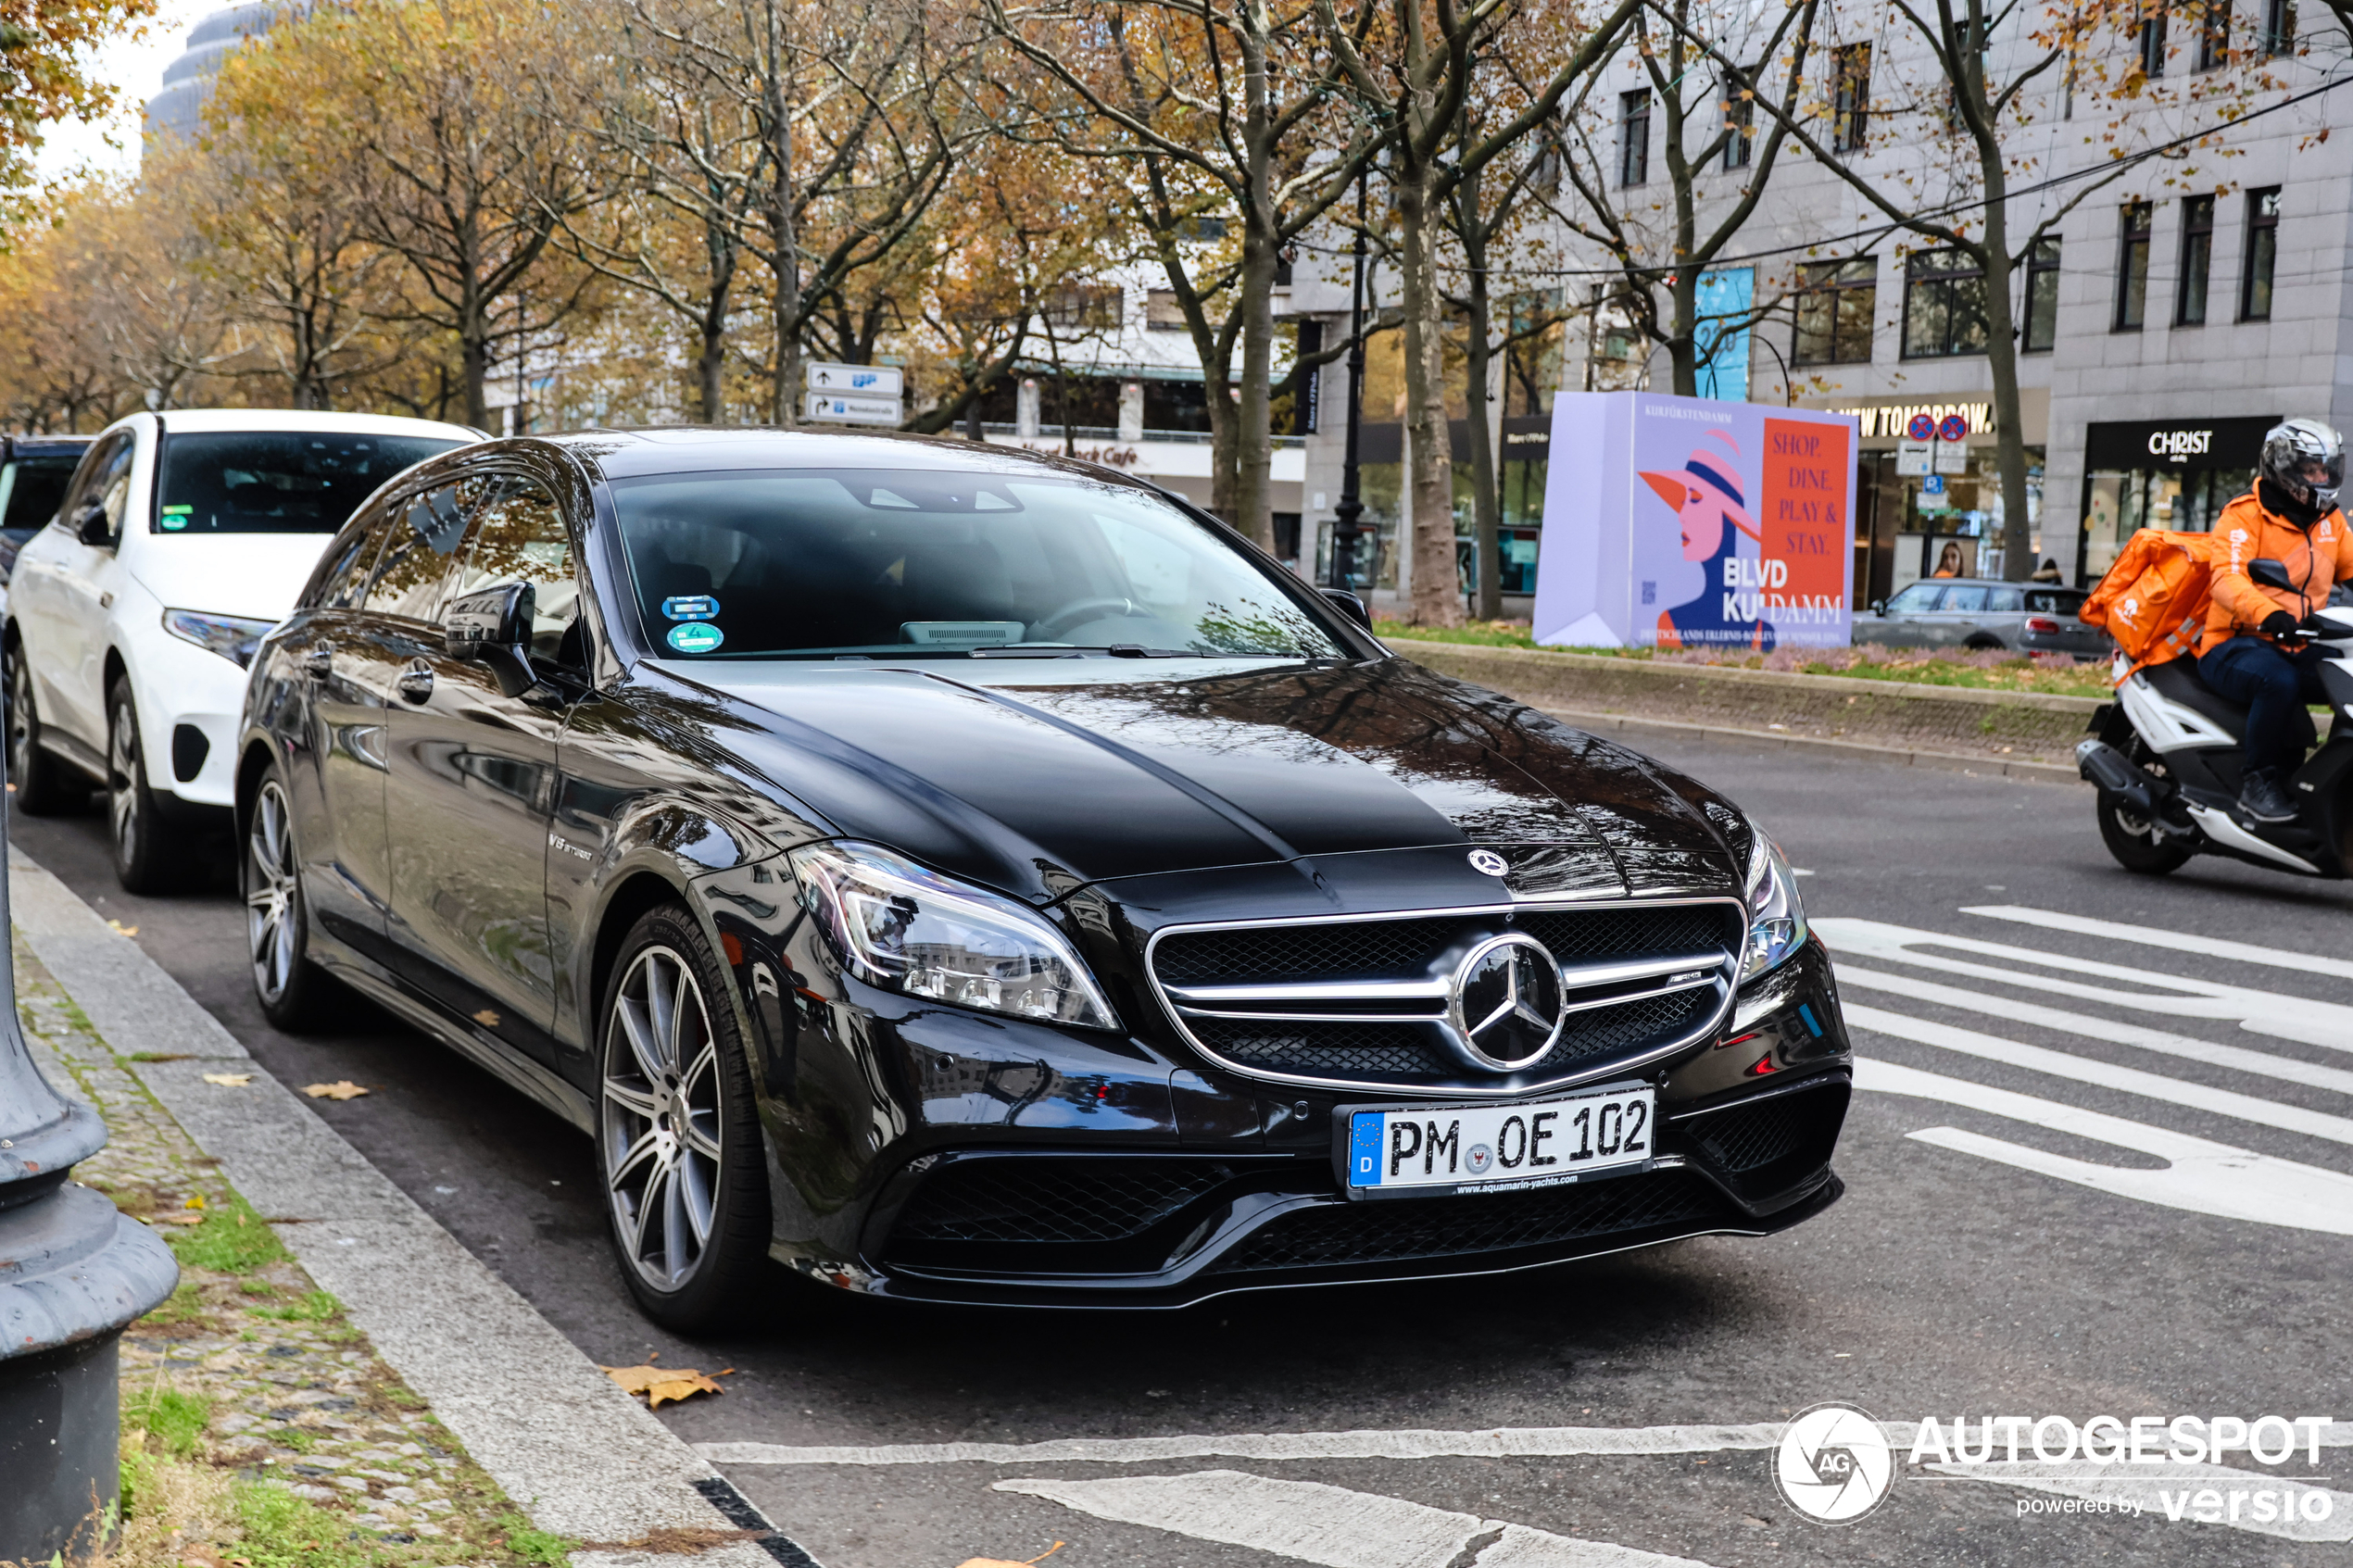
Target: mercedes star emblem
[1505, 1003]
[1489, 861]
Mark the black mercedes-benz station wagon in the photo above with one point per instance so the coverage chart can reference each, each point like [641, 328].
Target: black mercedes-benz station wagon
[978, 877]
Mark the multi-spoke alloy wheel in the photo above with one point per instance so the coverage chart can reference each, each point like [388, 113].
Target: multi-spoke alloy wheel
[146, 858]
[662, 1118]
[272, 911]
[122, 782]
[678, 1143]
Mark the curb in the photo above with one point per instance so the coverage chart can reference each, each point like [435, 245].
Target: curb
[580, 1457]
[1861, 751]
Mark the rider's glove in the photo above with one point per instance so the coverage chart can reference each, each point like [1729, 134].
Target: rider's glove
[2279, 623]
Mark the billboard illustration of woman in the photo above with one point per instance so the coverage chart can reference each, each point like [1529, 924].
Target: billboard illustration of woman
[1685, 522]
[1712, 516]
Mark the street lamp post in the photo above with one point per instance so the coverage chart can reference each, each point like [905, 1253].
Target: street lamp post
[74, 1273]
[1345, 528]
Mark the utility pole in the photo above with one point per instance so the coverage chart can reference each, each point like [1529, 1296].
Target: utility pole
[1345, 528]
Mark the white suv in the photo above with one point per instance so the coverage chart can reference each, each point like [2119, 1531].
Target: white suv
[183, 539]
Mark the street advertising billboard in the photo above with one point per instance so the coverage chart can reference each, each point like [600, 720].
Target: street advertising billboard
[1686, 523]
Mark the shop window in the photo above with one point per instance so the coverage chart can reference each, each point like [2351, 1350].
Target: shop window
[1634, 137]
[2279, 28]
[2151, 39]
[2262, 254]
[2197, 260]
[2214, 35]
[2132, 266]
[1944, 304]
[1836, 302]
[1850, 98]
[2041, 296]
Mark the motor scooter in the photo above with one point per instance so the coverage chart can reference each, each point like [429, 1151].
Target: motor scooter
[2166, 760]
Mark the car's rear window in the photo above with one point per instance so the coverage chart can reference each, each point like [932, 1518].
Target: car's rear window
[2055, 601]
[276, 481]
[905, 564]
[31, 487]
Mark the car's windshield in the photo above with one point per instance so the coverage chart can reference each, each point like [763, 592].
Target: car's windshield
[277, 482]
[31, 487]
[887, 563]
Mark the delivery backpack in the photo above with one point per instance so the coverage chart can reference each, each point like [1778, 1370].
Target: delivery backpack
[2152, 600]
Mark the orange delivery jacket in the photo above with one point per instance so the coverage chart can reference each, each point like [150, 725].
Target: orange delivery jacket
[2318, 559]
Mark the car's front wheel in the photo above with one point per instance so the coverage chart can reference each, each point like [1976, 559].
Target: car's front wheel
[678, 1141]
[291, 988]
[146, 857]
[45, 786]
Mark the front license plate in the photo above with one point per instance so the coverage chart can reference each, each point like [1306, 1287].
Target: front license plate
[1500, 1148]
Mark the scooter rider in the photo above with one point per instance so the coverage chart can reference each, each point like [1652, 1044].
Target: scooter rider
[2253, 650]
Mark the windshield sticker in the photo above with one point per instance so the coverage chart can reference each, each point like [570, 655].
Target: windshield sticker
[174, 518]
[696, 636]
[690, 607]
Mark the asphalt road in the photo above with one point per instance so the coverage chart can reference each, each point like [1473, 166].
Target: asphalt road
[2024, 1258]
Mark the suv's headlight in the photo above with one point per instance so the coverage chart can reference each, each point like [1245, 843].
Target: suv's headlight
[916, 932]
[232, 636]
[1776, 914]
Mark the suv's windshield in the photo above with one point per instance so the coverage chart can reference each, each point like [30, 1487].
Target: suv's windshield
[885, 563]
[277, 482]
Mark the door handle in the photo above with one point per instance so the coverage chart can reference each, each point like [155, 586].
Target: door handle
[319, 663]
[416, 685]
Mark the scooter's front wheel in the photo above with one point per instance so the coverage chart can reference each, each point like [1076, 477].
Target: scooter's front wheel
[2134, 841]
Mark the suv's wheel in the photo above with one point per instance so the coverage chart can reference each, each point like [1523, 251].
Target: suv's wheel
[45, 786]
[2133, 840]
[277, 920]
[147, 860]
[678, 1140]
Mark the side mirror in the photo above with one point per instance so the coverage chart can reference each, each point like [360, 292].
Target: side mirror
[1351, 606]
[1878, 607]
[92, 526]
[2270, 573]
[492, 626]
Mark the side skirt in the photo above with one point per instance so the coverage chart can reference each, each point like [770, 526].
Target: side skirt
[520, 1074]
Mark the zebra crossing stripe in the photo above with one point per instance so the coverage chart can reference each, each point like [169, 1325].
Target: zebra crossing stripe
[2239, 1058]
[2103, 1075]
[2156, 936]
[2200, 1176]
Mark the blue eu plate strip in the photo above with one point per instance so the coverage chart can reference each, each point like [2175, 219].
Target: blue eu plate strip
[1364, 1150]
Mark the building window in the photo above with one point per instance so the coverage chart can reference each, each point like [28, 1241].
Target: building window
[2214, 35]
[1851, 97]
[2262, 254]
[2041, 296]
[1944, 304]
[1634, 137]
[1836, 302]
[2152, 39]
[1088, 308]
[2278, 27]
[1740, 122]
[2132, 267]
[2197, 260]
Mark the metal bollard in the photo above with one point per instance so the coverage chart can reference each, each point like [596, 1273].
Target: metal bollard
[74, 1273]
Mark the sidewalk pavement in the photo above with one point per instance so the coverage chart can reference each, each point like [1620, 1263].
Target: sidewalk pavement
[331, 1338]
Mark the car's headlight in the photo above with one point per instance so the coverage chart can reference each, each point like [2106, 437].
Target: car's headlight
[232, 636]
[916, 932]
[1776, 914]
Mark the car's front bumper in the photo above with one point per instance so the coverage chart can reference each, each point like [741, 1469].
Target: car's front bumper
[935, 1153]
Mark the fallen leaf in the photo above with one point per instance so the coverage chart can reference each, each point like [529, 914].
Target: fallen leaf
[1007, 1562]
[683, 1538]
[194, 1202]
[488, 1018]
[661, 1384]
[123, 929]
[341, 1088]
[175, 1219]
[229, 1080]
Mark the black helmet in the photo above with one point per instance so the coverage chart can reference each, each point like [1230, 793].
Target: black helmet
[2291, 447]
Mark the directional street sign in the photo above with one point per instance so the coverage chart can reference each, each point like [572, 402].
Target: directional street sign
[863, 380]
[861, 410]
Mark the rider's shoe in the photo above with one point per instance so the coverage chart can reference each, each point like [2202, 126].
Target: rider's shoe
[2261, 799]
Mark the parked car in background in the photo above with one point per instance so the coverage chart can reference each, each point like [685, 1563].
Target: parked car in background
[181, 538]
[33, 472]
[1976, 612]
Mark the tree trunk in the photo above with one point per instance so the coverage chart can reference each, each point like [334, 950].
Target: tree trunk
[473, 362]
[1253, 435]
[1437, 594]
[1224, 445]
[1682, 330]
[2001, 359]
[1487, 502]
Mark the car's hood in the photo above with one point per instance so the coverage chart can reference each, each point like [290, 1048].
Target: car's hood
[254, 575]
[1038, 776]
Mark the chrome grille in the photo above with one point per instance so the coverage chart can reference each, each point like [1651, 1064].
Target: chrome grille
[1358, 1002]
